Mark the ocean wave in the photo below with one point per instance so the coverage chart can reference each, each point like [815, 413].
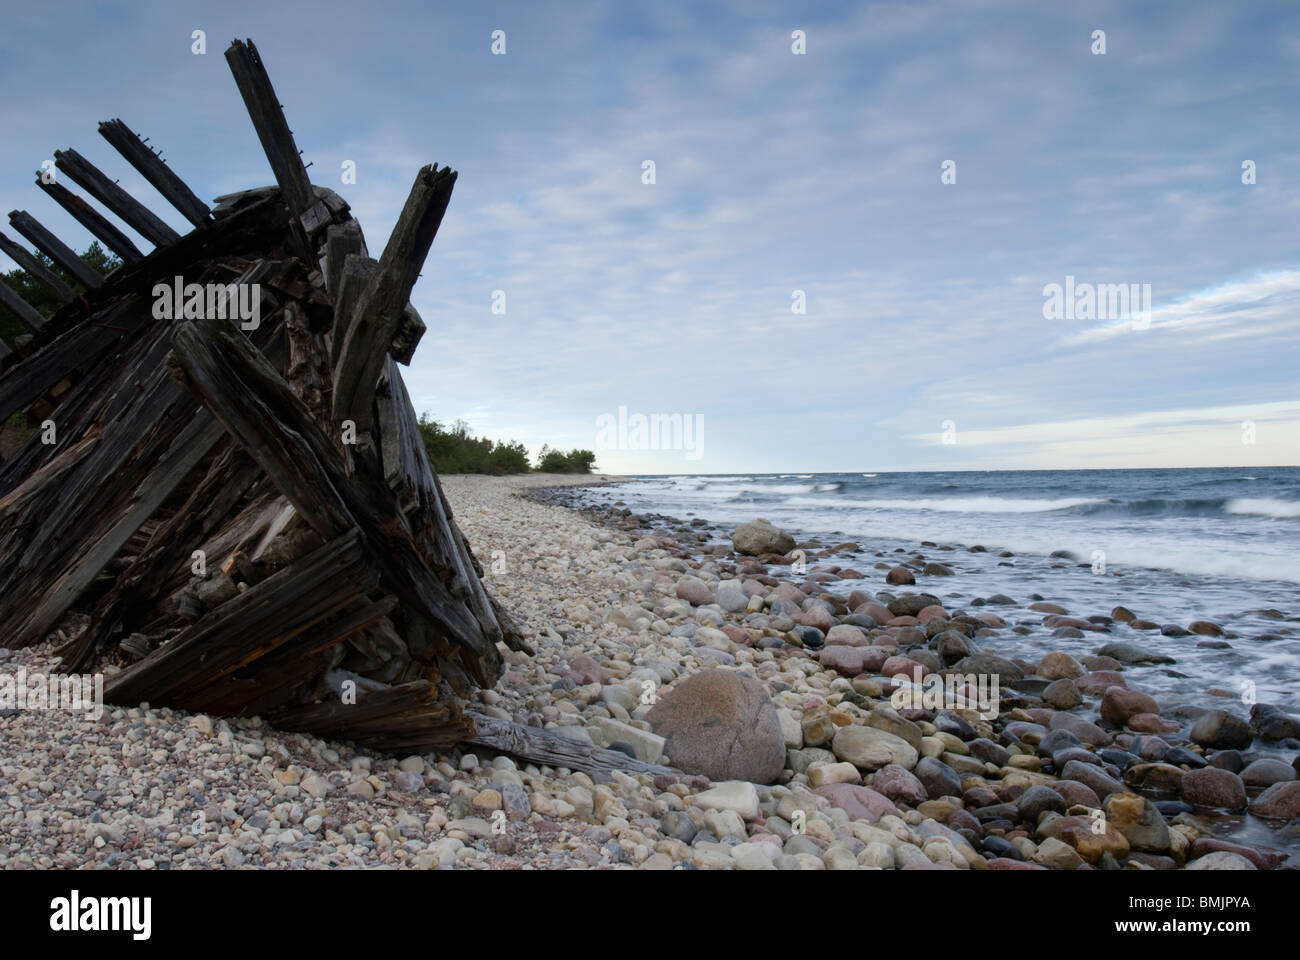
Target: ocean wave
[773, 488]
[950, 505]
[1278, 509]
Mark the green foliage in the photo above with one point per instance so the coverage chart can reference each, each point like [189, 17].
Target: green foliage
[555, 461]
[456, 450]
[39, 297]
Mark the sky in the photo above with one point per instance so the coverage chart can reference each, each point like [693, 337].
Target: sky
[780, 178]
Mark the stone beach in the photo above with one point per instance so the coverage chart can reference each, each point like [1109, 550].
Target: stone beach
[771, 693]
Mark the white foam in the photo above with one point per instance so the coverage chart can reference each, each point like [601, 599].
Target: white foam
[952, 505]
[1264, 508]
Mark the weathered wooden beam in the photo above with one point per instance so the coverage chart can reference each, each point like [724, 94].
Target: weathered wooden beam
[55, 249]
[45, 277]
[272, 129]
[404, 717]
[134, 213]
[341, 239]
[92, 220]
[359, 272]
[378, 313]
[410, 330]
[154, 169]
[24, 311]
[552, 749]
[241, 389]
[5, 349]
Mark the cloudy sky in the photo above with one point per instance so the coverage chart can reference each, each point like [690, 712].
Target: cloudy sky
[924, 343]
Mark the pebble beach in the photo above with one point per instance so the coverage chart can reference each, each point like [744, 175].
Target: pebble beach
[772, 691]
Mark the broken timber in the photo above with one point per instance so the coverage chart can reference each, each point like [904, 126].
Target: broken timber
[242, 519]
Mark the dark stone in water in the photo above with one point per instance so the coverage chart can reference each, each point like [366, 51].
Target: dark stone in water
[1057, 740]
[1269, 722]
[1230, 760]
[1061, 757]
[1172, 808]
[1150, 748]
[1133, 653]
[1031, 684]
[1120, 758]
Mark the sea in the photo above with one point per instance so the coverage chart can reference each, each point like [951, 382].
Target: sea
[1174, 546]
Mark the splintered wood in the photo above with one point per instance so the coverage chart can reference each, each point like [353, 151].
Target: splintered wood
[227, 480]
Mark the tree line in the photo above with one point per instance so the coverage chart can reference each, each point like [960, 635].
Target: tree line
[455, 449]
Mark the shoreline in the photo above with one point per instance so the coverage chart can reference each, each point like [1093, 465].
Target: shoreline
[865, 785]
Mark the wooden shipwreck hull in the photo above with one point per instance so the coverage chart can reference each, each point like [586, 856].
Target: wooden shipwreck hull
[242, 508]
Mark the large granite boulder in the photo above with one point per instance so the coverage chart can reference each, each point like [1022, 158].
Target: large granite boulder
[721, 724]
[759, 537]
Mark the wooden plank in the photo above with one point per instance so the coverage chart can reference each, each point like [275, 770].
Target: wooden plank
[92, 220]
[154, 169]
[552, 749]
[273, 131]
[191, 447]
[250, 625]
[20, 308]
[132, 212]
[5, 350]
[378, 314]
[55, 249]
[359, 272]
[341, 239]
[279, 676]
[45, 277]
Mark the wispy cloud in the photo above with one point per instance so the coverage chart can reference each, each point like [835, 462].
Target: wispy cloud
[774, 173]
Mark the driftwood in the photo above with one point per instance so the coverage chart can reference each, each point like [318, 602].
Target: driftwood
[548, 747]
[238, 500]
